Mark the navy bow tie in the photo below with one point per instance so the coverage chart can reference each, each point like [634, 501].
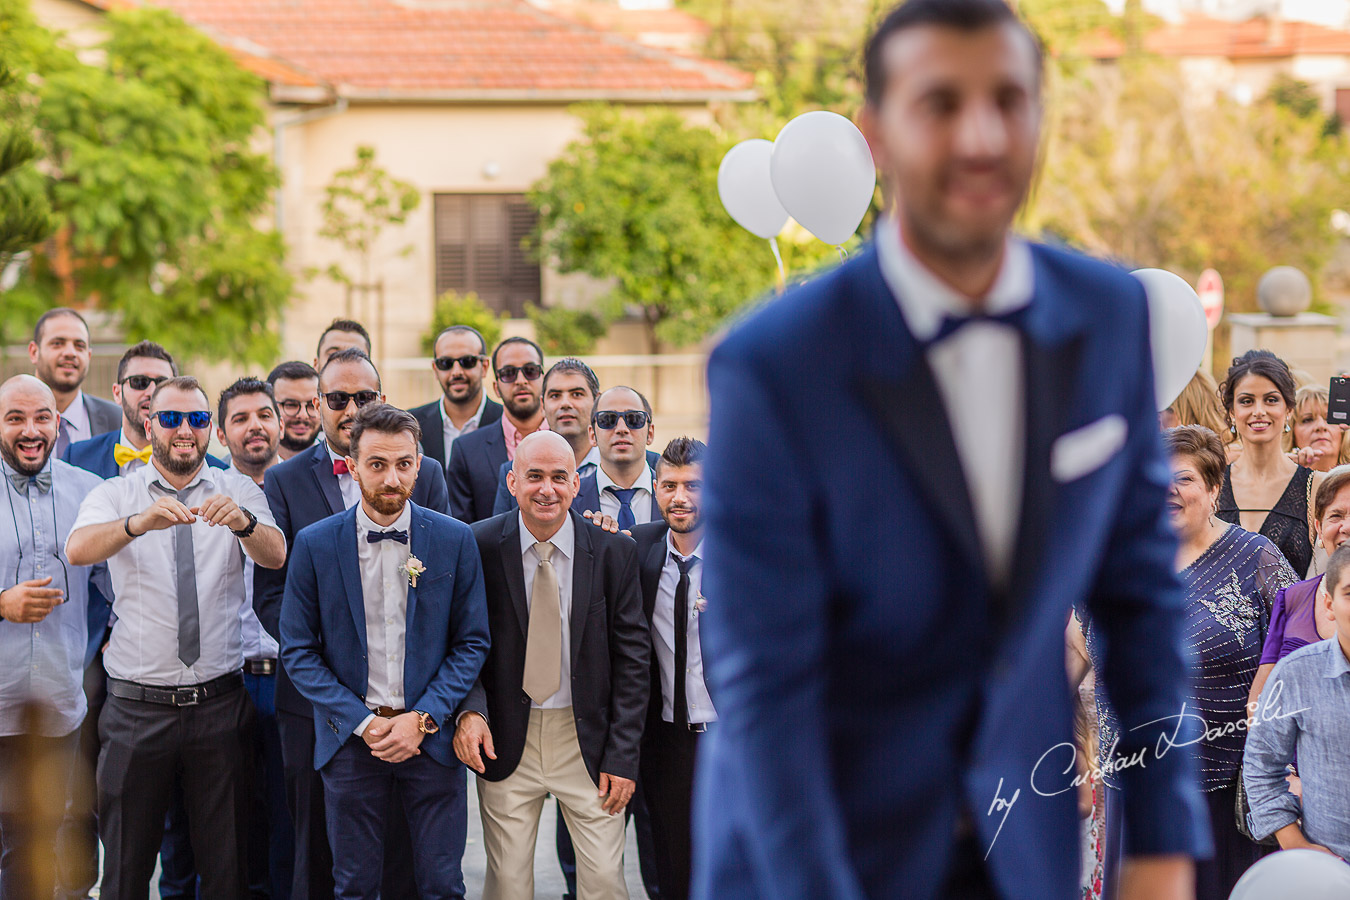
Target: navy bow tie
[374, 537]
[952, 324]
[42, 479]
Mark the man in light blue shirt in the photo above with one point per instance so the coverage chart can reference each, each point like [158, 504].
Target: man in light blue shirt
[43, 616]
[1305, 709]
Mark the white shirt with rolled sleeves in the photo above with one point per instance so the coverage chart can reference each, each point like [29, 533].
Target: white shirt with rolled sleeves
[144, 645]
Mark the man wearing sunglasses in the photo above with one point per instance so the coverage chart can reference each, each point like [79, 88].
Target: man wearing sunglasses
[460, 364]
[295, 385]
[477, 458]
[621, 486]
[307, 488]
[171, 533]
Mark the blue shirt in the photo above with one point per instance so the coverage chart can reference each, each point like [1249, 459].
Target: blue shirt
[43, 662]
[1305, 709]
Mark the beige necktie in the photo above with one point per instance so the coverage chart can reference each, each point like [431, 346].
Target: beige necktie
[543, 643]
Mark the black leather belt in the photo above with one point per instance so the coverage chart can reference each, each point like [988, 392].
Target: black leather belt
[190, 695]
[260, 667]
[697, 727]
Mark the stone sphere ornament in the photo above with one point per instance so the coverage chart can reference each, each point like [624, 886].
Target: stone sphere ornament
[1284, 291]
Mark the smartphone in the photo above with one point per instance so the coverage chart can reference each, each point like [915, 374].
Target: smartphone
[1338, 406]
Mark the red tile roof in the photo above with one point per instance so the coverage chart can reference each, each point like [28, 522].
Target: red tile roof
[1258, 38]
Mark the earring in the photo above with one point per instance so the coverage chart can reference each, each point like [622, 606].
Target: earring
[1287, 429]
[1233, 428]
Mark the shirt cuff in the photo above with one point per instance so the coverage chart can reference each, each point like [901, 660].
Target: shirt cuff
[361, 729]
[468, 712]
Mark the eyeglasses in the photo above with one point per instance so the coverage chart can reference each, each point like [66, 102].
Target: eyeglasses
[141, 382]
[531, 371]
[337, 400]
[446, 363]
[293, 407]
[172, 418]
[609, 418]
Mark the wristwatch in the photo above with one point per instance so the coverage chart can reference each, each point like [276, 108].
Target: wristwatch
[425, 723]
[246, 531]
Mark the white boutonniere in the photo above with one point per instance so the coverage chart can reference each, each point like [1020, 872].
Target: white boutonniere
[412, 568]
[700, 604]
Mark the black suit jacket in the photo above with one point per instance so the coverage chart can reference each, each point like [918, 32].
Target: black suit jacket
[301, 491]
[610, 649]
[433, 432]
[651, 551]
[471, 475]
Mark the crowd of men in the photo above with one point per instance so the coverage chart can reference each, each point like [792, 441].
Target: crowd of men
[267, 672]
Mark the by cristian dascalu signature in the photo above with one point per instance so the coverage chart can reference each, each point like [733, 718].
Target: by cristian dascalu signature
[1050, 783]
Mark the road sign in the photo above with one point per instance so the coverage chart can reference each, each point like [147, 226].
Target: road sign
[1210, 290]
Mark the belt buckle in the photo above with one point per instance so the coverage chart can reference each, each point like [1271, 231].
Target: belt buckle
[193, 692]
[697, 727]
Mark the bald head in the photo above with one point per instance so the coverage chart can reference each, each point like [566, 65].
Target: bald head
[543, 479]
[543, 448]
[28, 424]
[25, 386]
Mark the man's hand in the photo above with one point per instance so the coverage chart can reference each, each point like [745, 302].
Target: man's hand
[1291, 837]
[376, 731]
[165, 512]
[221, 510]
[600, 520]
[471, 734]
[402, 740]
[29, 601]
[1169, 877]
[619, 791]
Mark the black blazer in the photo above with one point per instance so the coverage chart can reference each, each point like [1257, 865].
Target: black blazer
[301, 491]
[433, 432]
[104, 415]
[610, 648]
[651, 551]
[471, 475]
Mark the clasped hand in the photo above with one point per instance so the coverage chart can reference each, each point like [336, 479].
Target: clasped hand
[167, 512]
[394, 740]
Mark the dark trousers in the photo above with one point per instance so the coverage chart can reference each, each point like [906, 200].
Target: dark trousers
[363, 793]
[271, 846]
[28, 836]
[209, 747]
[77, 848]
[668, 754]
[967, 875]
[646, 844]
[313, 877]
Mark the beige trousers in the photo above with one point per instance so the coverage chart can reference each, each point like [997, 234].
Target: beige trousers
[551, 764]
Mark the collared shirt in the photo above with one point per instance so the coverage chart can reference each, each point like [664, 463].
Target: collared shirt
[351, 491]
[258, 644]
[1305, 709]
[980, 376]
[44, 661]
[144, 643]
[76, 418]
[663, 632]
[513, 435]
[384, 591]
[641, 504]
[564, 543]
[130, 465]
[449, 429]
[589, 463]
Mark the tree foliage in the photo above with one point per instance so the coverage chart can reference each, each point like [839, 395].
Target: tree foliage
[359, 203]
[463, 309]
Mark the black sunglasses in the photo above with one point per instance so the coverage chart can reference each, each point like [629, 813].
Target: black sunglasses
[531, 371]
[293, 407]
[609, 418]
[172, 418]
[141, 382]
[337, 400]
[446, 363]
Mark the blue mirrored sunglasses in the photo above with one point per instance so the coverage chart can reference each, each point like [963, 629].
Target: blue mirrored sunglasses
[172, 418]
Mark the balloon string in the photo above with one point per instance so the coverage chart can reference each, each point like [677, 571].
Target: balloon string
[782, 272]
[843, 254]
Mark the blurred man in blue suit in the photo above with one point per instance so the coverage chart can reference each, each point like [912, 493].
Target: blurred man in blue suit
[886, 645]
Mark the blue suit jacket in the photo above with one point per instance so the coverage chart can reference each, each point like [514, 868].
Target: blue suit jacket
[588, 493]
[857, 630]
[323, 627]
[471, 474]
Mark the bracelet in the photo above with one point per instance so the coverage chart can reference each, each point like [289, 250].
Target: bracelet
[126, 526]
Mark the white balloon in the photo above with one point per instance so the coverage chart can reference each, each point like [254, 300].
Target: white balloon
[823, 174]
[746, 191]
[1177, 330]
[1301, 874]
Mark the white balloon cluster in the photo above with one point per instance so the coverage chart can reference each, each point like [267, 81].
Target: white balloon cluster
[1177, 331]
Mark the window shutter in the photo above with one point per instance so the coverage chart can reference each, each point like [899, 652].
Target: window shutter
[478, 249]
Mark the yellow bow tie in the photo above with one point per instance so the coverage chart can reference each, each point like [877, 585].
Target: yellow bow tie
[124, 454]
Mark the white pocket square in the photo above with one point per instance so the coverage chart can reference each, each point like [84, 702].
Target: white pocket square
[1088, 448]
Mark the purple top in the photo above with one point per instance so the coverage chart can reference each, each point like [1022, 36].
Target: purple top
[1292, 621]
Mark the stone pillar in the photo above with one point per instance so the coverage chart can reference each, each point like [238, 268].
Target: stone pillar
[1307, 341]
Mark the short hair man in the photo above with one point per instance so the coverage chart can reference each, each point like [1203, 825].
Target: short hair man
[175, 659]
[960, 356]
[560, 702]
[621, 428]
[382, 693]
[518, 369]
[459, 362]
[295, 385]
[341, 334]
[43, 629]
[60, 354]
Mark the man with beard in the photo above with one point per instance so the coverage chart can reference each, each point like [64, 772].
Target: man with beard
[459, 365]
[295, 385]
[60, 355]
[518, 367]
[670, 569]
[384, 629]
[43, 624]
[308, 487]
[175, 659]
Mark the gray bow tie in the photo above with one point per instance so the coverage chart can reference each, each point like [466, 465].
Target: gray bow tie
[42, 479]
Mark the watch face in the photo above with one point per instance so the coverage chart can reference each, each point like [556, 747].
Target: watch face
[429, 725]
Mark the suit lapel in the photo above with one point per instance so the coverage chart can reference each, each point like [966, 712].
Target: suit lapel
[349, 564]
[433, 437]
[328, 482]
[582, 577]
[509, 546]
[419, 545]
[653, 562]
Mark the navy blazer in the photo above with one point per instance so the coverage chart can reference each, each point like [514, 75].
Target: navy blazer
[858, 631]
[471, 475]
[323, 628]
[301, 491]
[588, 495]
[433, 433]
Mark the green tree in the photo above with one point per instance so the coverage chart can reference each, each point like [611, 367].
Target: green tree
[463, 309]
[566, 332]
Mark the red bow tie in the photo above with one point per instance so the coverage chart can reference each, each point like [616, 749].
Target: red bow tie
[340, 467]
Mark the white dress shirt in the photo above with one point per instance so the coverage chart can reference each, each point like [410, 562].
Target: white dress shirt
[451, 432]
[351, 491]
[564, 543]
[76, 418]
[641, 504]
[384, 592]
[258, 644]
[980, 376]
[144, 644]
[663, 630]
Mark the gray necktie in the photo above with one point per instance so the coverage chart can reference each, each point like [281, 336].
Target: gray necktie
[185, 572]
[62, 438]
[543, 641]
